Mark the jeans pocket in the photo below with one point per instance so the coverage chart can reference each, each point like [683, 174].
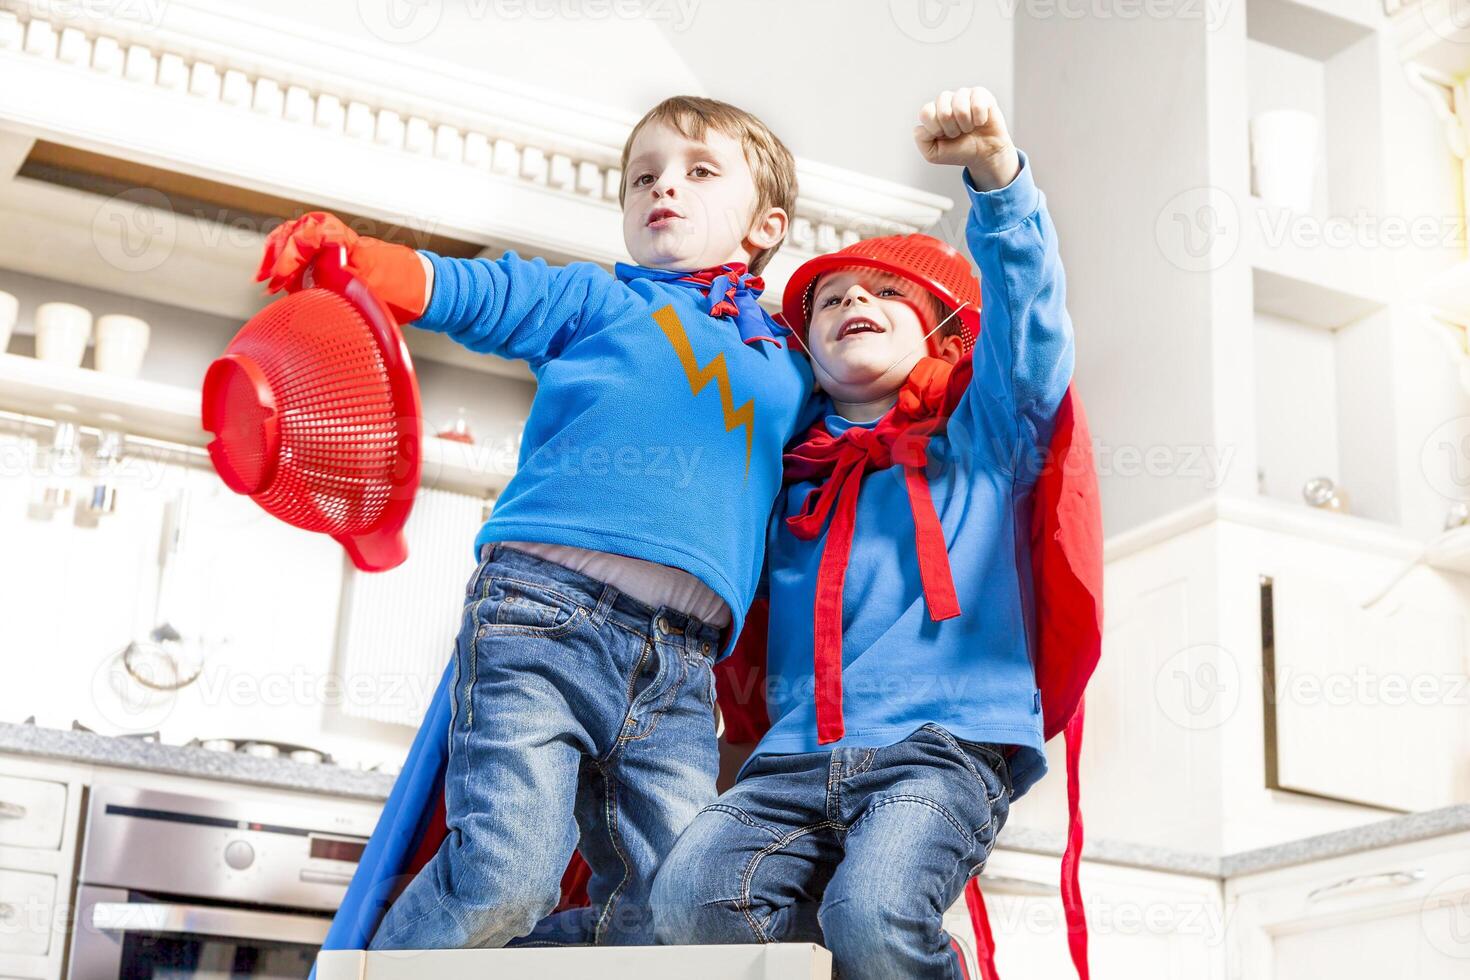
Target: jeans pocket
[520, 606]
[475, 585]
[992, 757]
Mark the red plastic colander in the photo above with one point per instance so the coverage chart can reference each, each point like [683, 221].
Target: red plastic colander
[315, 411]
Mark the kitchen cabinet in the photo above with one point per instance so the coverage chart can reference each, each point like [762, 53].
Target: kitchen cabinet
[32, 812]
[39, 827]
[27, 910]
[1394, 913]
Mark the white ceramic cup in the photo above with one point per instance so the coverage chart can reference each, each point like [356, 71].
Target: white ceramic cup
[62, 332]
[9, 308]
[1284, 158]
[121, 343]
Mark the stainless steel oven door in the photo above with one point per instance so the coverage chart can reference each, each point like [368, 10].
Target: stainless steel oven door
[123, 935]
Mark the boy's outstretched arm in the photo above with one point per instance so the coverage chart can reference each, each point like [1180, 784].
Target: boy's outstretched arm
[512, 307]
[1024, 353]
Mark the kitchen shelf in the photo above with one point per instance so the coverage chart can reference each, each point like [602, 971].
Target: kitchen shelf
[171, 413]
[1317, 30]
[1319, 284]
[1313, 303]
[51, 234]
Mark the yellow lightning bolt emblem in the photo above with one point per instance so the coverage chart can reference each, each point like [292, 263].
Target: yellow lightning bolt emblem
[699, 377]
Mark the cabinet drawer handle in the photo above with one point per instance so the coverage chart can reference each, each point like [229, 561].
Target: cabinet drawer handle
[1382, 877]
[11, 811]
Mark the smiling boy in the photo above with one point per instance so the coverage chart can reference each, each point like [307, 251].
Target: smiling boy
[582, 681]
[904, 708]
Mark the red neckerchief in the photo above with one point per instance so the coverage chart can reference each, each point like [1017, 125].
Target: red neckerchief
[726, 286]
[901, 437]
[733, 273]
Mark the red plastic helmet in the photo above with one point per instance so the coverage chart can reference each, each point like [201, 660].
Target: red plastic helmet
[921, 259]
[315, 411]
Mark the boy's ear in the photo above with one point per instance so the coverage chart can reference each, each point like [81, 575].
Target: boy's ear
[950, 348]
[768, 230]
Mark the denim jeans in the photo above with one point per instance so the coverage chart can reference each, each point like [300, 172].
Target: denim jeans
[859, 849]
[576, 708]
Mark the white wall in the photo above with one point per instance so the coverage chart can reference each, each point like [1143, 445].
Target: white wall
[1109, 110]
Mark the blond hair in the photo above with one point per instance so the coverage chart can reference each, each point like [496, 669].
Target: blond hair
[771, 163]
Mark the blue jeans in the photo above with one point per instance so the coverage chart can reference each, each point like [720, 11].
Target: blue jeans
[859, 849]
[575, 708]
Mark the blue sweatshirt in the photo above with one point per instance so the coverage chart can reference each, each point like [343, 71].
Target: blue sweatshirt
[973, 674]
[655, 432]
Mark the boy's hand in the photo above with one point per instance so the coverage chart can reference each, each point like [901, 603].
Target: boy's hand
[395, 273]
[966, 128]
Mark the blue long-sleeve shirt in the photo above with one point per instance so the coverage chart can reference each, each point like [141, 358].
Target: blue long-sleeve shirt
[972, 674]
[655, 432]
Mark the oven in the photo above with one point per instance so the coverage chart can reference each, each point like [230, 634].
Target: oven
[174, 886]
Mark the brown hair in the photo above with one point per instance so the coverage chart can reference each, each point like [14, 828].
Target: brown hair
[771, 163]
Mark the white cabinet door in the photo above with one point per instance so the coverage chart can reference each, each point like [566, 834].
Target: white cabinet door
[1360, 693]
[1395, 913]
